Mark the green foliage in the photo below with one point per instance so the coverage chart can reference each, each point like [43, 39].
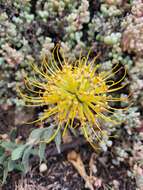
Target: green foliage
[7, 164]
[18, 152]
[16, 156]
[58, 141]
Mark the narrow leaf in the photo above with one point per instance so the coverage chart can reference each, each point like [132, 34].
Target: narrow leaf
[25, 158]
[5, 172]
[58, 140]
[41, 152]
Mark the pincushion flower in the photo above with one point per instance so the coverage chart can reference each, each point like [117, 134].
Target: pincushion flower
[74, 91]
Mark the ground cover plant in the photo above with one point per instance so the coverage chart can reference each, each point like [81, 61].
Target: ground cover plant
[71, 94]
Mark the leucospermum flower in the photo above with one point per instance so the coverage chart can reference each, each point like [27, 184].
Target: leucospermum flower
[74, 91]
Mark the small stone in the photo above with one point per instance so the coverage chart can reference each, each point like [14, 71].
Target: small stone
[43, 168]
[109, 143]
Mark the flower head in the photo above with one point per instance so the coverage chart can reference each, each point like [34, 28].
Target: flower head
[73, 91]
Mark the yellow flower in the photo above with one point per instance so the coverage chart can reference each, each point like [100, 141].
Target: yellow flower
[73, 91]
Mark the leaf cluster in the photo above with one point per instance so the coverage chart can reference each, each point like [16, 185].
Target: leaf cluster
[16, 155]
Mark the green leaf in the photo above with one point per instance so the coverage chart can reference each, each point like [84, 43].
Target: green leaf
[5, 171]
[41, 152]
[34, 151]
[58, 140]
[1, 151]
[5, 174]
[48, 133]
[18, 152]
[11, 165]
[19, 167]
[8, 145]
[36, 133]
[2, 159]
[25, 158]
[44, 137]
